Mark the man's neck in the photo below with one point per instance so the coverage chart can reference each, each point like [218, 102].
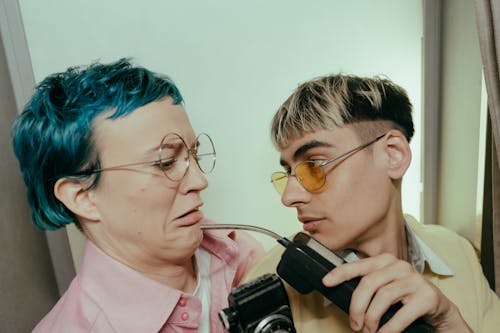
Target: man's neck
[388, 236]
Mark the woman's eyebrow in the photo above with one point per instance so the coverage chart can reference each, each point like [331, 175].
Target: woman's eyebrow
[166, 145]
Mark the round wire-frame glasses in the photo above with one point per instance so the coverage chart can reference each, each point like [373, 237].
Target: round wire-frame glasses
[173, 157]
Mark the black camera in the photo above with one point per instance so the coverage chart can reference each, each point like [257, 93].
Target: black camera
[259, 306]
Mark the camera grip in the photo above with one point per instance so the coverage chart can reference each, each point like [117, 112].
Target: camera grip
[303, 268]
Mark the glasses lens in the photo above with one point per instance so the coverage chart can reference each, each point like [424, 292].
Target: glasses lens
[279, 180]
[310, 175]
[205, 153]
[173, 157]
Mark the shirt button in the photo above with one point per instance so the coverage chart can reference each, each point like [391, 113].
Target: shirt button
[184, 316]
[182, 302]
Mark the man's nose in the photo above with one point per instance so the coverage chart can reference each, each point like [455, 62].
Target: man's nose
[294, 193]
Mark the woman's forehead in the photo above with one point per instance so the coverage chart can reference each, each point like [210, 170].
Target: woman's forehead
[144, 127]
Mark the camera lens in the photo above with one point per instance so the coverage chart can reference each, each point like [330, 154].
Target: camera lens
[228, 318]
[276, 323]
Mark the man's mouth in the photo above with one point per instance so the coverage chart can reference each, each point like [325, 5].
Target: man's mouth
[310, 223]
[311, 226]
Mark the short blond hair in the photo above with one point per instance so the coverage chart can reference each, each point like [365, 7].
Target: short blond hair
[334, 101]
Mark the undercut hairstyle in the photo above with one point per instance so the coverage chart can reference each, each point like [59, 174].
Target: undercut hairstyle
[370, 105]
[53, 135]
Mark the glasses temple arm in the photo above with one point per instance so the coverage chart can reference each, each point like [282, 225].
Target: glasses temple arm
[352, 150]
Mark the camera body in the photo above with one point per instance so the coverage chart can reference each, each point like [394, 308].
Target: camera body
[259, 306]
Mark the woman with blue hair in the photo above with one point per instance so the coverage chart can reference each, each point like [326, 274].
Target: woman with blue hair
[110, 148]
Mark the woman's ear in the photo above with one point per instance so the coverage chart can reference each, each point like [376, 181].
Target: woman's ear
[398, 154]
[76, 196]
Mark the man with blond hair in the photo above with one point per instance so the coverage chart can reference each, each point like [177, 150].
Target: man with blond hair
[344, 145]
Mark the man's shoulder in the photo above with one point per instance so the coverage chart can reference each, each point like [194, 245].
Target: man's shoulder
[448, 245]
[436, 236]
[266, 264]
[311, 312]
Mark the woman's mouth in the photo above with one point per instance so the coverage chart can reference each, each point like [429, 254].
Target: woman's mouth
[190, 218]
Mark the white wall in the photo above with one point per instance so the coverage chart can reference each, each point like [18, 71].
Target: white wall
[463, 128]
[235, 62]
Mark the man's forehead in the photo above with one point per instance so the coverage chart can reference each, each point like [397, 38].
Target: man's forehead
[319, 137]
[300, 144]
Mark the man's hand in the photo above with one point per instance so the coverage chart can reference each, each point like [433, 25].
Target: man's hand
[386, 280]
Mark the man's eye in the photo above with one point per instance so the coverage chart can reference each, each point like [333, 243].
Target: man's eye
[317, 162]
[166, 163]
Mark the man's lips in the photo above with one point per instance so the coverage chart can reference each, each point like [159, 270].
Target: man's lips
[307, 219]
[310, 223]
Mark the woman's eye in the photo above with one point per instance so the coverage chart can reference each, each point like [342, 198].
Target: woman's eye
[166, 163]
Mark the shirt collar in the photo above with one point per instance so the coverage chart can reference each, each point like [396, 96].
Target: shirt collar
[419, 254]
[131, 301]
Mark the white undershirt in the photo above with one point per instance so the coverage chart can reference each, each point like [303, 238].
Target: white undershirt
[203, 287]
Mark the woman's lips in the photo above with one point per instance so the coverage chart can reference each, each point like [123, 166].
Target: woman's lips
[189, 218]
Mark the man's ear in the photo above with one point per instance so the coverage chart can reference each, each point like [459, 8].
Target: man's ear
[76, 197]
[398, 154]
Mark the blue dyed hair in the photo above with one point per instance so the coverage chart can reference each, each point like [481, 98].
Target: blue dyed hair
[53, 136]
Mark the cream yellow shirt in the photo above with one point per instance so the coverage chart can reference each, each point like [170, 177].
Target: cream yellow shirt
[450, 263]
